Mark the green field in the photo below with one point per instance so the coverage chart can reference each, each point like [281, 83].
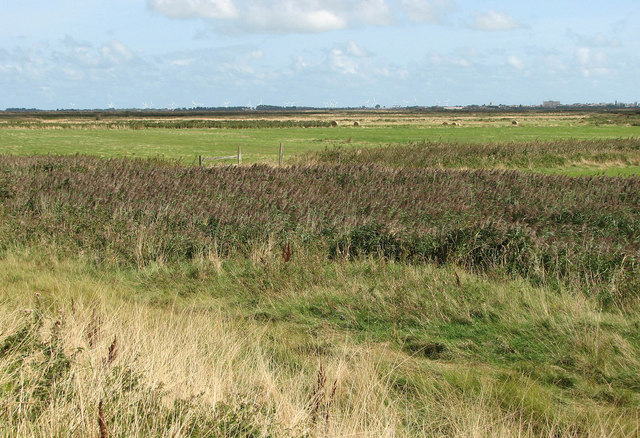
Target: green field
[261, 145]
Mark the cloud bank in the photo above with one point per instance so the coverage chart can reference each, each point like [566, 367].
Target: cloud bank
[298, 16]
[492, 21]
[195, 8]
[426, 11]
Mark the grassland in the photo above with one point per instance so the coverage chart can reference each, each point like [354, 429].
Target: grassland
[184, 140]
[423, 288]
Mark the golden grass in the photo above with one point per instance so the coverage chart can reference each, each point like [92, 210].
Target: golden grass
[192, 354]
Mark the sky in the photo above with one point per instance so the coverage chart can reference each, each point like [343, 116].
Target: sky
[88, 54]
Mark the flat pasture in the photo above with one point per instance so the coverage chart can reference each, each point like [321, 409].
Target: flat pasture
[69, 137]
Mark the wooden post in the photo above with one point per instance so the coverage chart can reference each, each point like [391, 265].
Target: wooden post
[200, 160]
[281, 156]
[239, 155]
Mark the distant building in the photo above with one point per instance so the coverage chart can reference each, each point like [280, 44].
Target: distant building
[550, 104]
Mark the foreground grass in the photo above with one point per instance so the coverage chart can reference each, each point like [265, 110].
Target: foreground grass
[256, 346]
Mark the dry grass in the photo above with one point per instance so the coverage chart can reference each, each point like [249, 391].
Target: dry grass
[180, 354]
[196, 367]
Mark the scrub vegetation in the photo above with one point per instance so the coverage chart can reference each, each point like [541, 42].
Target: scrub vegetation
[414, 290]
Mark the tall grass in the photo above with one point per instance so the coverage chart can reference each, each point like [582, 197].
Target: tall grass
[513, 155]
[551, 229]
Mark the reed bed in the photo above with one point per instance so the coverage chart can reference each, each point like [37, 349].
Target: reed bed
[550, 229]
[537, 154]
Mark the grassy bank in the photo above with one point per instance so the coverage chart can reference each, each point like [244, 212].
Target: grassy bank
[256, 346]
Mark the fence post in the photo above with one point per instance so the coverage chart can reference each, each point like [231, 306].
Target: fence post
[281, 156]
[200, 160]
[239, 155]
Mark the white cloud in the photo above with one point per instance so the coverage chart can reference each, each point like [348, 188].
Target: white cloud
[80, 55]
[448, 61]
[375, 12]
[341, 62]
[493, 20]
[597, 40]
[357, 51]
[356, 63]
[70, 61]
[296, 16]
[72, 74]
[283, 16]
[220, 9]
[593, 62]
[292, 16]
[426, 11]
[116, 53]
[601, 40]
[553, 64]
[515, 62]
[299, 64]
[460, 62]
[351, 59]
[10, 68]
[590, 58]
[85, 56]
[182, 62]
[244, 66]
[27, 63]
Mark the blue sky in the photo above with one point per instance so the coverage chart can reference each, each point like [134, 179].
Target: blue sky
[184, 53]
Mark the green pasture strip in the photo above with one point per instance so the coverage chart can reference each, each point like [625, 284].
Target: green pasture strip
[261, 145]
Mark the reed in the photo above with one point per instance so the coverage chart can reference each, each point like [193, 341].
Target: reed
[535, 155]
[550, 229]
